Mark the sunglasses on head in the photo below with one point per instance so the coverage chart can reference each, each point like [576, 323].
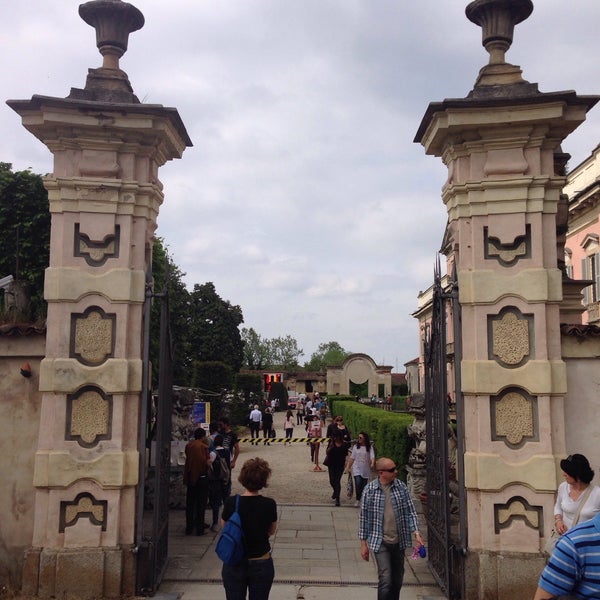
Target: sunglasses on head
[392, 470]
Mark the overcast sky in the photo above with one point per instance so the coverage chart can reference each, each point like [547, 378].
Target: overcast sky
[304, 198]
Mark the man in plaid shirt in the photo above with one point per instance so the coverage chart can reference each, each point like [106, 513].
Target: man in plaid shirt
[388, 521]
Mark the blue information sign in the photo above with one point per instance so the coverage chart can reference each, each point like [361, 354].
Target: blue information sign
[201, 412]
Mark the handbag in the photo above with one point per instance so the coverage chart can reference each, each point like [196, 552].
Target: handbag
[554, 535]
[551, 542]
[350, 486]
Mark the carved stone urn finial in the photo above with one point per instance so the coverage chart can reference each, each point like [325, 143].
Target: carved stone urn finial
[113, 20]
[497, 19]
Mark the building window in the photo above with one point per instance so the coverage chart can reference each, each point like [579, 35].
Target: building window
[590, 269]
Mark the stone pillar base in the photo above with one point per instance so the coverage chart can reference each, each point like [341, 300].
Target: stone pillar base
[502, 575]
[83, 573]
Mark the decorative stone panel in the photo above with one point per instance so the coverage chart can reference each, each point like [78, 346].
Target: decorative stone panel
[510, 253]
[89, 416]
[96, 252]
[92, 336]
[518, 509]
[510, 337]
[84, 506]
[514, 418]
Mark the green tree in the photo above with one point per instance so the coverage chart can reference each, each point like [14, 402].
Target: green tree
[256, 350]
[25, 234]
[285, 352]
[179, 300]
[211, 376]
[214, 333]
[327, 354]
[250, 385]
[270, 353]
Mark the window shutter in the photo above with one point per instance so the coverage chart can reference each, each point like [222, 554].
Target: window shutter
[596, 260]
[584, 275]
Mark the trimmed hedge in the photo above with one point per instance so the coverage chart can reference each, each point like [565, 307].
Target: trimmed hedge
[387, 430]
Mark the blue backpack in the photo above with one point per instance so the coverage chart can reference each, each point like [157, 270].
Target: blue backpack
[230, 547]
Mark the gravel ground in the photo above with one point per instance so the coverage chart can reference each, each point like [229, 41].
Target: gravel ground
[293, 480]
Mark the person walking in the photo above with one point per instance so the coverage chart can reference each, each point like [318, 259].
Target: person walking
[361, 463]
[195, 478]
[300, 411]
[267, 423]
[338, 425]
[255, 573]
[217, 481]
[231, 442]
[387, 523]
[254, 421]
[289, 427]
[335, 461]
[314, 431]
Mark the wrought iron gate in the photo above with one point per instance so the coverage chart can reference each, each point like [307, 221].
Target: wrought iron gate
[152, 531]
[446, 529]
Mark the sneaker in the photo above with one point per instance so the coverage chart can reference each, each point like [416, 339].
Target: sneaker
[214, 528]
[356, 503]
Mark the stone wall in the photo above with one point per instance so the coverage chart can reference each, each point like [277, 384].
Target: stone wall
[20, 403]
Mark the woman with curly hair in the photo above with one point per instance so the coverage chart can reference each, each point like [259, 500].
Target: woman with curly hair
[255, 573]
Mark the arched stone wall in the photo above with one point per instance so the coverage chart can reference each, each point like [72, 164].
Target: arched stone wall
[359, 368]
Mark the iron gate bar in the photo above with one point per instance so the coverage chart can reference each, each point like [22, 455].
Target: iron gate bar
[446, 556]
[436, 411]
[140, 546]
[152, 548]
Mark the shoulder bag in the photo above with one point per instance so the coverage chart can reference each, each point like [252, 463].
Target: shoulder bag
[230, 547]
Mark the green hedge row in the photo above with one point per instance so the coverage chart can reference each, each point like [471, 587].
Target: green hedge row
[388, 430]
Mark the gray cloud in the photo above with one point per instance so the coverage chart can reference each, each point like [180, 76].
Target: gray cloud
[303, 199]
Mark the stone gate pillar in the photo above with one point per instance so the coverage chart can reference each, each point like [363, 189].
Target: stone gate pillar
[104, 196]
[502, 194]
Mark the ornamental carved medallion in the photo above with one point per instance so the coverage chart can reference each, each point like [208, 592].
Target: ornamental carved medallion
[92, 336]
[514, 418]
[510, 337]
[89, 416]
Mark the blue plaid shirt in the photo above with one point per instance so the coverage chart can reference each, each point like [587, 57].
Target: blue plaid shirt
[370, 525]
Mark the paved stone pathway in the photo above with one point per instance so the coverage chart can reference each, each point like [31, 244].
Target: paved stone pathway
[316, 550]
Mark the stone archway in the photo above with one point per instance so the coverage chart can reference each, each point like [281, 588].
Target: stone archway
[359, 368]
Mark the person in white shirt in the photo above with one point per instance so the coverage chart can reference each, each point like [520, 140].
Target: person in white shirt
[255, 419]
[361, 463]
[578, 476]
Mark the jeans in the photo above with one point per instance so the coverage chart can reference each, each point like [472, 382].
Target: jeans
[390, 571]
[359, 486]
[256, 576]
[254, 429]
